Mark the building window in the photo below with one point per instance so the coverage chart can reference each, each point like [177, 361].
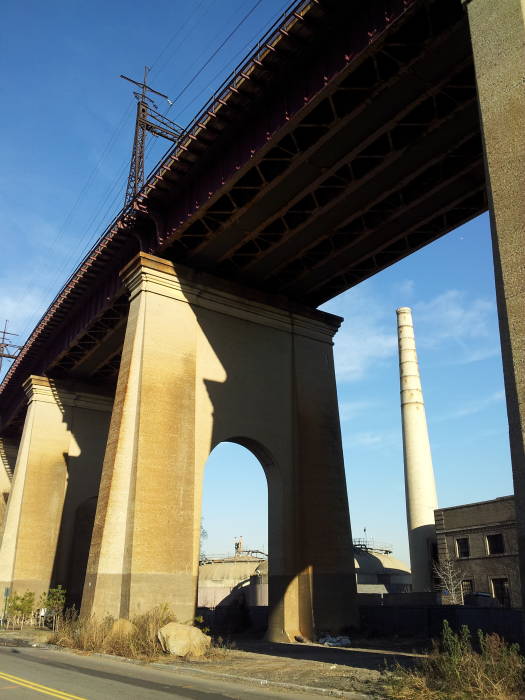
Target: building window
[467, 586]
[495, 544]
[462, 548]
[500, 591]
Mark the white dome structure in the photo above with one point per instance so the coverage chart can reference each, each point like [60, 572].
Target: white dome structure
[377, 571]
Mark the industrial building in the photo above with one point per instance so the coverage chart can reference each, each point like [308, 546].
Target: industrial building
[242, 579]
[481, 539]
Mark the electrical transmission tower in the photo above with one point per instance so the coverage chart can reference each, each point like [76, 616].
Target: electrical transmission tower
[8, 350]
[148, 119]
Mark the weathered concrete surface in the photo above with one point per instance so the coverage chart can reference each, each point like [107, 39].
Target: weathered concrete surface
[498, 42]
[8, 452]
[58, 467]
[420, 484]
[203, 364]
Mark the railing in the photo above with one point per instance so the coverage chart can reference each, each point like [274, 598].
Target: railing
[370, 544]
[217, 558]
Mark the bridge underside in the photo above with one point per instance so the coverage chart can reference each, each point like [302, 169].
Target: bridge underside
[381, 158]
[387, 158]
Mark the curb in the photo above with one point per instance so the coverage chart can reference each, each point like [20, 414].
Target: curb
[330, 692]
[185, 668]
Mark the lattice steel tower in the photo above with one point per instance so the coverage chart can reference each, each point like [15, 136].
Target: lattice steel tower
[147, 119]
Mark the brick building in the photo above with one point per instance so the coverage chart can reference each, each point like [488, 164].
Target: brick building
[481, 539]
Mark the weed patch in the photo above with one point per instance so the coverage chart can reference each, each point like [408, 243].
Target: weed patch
[458, 670]
[137, 640]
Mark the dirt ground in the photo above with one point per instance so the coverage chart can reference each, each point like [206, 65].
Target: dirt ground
[27, 635]
[354, 669]
[359, 668]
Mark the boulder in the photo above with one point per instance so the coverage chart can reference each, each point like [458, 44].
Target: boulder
[183, 640]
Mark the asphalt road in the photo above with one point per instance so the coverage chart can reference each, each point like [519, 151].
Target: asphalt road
[32, 673]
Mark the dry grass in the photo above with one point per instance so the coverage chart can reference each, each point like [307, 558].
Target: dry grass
[91, 634]
[456, 671]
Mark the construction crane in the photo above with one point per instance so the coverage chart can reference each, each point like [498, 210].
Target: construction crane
[8, 349]
[148, 119]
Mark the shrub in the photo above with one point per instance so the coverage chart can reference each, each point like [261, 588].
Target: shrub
[20, 609]
[454, 670]
[53, 603]
[135, 641]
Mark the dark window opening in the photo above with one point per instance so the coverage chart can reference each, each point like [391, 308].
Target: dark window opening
[500, 591]
[495, 544]
[467, 586]
[462, 548]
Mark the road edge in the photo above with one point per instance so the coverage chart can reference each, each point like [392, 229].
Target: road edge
[184, 667]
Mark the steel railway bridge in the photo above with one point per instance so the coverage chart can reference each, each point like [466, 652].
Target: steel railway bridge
[355, 133]
[348, 139]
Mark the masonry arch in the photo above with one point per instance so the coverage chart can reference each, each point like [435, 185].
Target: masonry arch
[202, 364]
[241, 486]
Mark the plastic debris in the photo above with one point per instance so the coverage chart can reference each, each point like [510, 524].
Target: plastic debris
[335, 641]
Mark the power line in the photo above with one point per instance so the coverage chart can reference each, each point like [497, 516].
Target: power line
[86, 237]
[237, 26]
[192, 16]
[64, 227]
[64, 266]
[226, 65]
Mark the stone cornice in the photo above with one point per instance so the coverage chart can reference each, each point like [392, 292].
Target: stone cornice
[489, 528]
[47, 390]
[150, 274]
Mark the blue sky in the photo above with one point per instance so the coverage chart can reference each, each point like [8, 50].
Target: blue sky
[66, 131]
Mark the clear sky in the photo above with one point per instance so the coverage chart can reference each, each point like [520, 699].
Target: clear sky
[65, 138]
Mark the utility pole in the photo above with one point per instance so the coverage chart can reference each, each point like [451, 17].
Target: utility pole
[147, 119]
[8, 350]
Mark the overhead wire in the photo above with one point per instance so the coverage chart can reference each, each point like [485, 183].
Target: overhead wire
[208, 61]
[64, 265]
[221, 45]
[71, 261]
[149, 145]
[233, 60]
[195, 17]
[86, 239]
[120, 177]
[67, 221]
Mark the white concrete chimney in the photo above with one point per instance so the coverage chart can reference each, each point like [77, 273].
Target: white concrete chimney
[420, 485]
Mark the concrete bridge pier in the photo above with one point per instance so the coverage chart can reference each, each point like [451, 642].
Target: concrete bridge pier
[58, 467]
[205, 361]
[499, 60]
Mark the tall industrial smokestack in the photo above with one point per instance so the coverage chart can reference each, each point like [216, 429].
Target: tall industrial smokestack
[420, 485]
